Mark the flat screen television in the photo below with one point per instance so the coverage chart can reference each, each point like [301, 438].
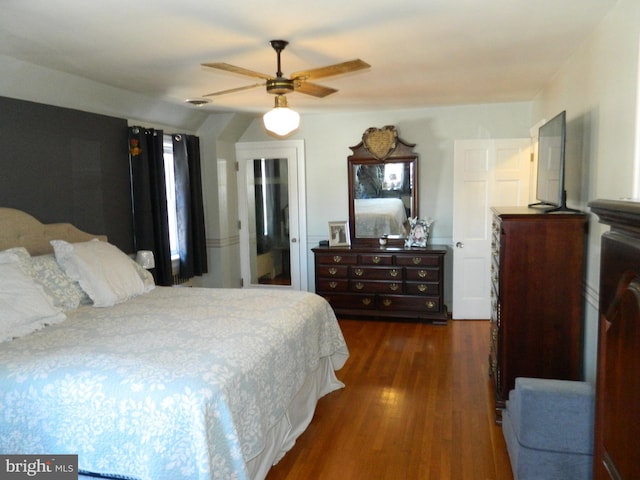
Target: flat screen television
[550, 189]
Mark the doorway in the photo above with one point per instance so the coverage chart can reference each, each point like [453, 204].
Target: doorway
[486, 173]
[272, 217]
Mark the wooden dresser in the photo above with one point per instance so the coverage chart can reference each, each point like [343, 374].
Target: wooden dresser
[617, 422]
[402, 283]
[537, 276]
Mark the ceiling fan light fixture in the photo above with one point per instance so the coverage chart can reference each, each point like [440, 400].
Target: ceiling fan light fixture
[281, 120]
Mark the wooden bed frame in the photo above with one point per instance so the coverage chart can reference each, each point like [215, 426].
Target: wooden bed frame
[617, 423]
[19, 229]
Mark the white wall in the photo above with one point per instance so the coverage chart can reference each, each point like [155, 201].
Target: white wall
[598, 87]
[42, 85]
[328, 138]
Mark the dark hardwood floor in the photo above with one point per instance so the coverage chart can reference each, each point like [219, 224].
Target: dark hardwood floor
[417, 405]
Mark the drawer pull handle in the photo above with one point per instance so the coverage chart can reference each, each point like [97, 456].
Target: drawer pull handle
[359, 272]
[393, 287]
[422, 287]
[430, 304]
[417, 260]
[386, 302]
[422, 273]
[333, 284]
[394, 273]
[337, 258]
[366, 301]
[376, 259]
[333, 271]
[359, 285]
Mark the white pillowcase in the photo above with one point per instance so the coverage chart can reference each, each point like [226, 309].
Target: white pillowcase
[24, 307]
[104, 272]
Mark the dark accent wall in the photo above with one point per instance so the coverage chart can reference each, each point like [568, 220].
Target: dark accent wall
[64, 165]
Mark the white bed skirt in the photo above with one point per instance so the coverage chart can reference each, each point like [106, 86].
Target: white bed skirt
[282, 436]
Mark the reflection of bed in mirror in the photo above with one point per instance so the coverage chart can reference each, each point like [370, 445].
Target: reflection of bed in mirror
[380, 216]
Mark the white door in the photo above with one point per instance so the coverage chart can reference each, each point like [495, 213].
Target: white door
[486, 173]
[271, 204]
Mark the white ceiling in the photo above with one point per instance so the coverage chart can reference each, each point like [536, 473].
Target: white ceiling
[422, 52]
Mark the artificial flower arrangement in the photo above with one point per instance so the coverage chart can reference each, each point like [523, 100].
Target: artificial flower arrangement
[419, 233]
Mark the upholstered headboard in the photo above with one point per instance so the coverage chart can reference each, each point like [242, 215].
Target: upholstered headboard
[19, 229]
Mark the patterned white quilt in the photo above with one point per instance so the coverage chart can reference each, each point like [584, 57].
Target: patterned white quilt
[180, 383]
[379, 216]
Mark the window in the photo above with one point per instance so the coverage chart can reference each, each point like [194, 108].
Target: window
[171, 197]
[393, 176]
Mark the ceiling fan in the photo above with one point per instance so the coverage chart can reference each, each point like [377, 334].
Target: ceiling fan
[297, 82]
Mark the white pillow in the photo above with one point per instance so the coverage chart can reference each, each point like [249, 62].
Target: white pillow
[103, 271]
[24, 307]
[61, 290]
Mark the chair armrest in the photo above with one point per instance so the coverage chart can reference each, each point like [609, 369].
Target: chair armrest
[555, 415]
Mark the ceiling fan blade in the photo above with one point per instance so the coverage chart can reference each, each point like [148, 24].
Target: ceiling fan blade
[232, 68]
[329, 70]
[313, 89]
[232, 90]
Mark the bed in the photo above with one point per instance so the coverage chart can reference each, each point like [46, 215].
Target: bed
[167, 383]
[379, 216]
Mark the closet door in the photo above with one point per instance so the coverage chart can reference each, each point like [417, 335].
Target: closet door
[272, 217]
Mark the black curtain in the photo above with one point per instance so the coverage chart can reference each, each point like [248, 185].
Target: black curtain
[149, 192]
[149, 198]
[189, 205]
[199, 246]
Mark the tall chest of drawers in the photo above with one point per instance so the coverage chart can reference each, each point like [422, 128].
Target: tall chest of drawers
[402, 283]
[537, 276]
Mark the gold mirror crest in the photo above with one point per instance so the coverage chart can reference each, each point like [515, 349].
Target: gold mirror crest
[380, 142]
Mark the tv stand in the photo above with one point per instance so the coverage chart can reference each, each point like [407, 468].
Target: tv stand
[536, 311]
[562, 208]
[541, 205]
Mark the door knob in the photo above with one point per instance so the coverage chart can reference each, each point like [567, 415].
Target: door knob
[459, 245]
[294, 240]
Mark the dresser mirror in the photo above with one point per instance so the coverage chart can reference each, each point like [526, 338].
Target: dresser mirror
[383, 188]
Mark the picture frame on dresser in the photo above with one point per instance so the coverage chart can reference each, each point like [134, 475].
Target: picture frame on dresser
[339, 234]
[419, 233]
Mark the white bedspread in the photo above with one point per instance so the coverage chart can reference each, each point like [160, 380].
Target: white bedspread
[180, 383]
[379, 216]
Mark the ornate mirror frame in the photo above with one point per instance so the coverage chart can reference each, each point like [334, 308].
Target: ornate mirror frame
[380, 147]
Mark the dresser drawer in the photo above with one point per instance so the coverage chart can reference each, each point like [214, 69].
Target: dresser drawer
[409, 303]
[336, 259]
[376, 273]
[351, 301]
[363, 286]
[333, 285]
[422, 288]
[375, 259]
[333, 271]
[423, 274]
[418, 260]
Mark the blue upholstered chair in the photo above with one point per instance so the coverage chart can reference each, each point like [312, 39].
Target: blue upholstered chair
[548, 428]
